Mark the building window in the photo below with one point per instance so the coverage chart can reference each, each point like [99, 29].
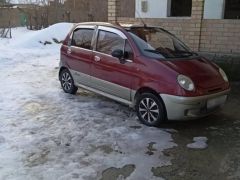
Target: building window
[181, 8]
[232, 9]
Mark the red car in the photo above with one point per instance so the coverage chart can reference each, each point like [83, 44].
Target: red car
[145, 67]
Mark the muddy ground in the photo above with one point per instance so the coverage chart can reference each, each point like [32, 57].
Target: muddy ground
[221, 160]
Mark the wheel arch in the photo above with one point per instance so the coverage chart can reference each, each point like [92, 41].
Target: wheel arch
[152, 91]
[60, 70]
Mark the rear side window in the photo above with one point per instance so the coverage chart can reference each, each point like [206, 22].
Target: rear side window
[82, 38]
[108, 42]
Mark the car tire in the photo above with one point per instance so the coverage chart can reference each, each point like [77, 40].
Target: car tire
[150, 109]
[67, 82]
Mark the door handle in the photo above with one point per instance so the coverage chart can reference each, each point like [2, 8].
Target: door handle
[97, 58]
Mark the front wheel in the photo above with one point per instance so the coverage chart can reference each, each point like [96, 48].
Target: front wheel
[67, 82]
[150, 109]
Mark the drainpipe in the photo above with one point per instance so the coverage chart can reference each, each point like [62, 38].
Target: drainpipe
[201, 24]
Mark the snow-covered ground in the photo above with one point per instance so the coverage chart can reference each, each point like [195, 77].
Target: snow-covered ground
[47, 134]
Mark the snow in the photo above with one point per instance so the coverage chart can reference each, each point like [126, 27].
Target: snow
[199, 143]
[47, 134]
[32, 39]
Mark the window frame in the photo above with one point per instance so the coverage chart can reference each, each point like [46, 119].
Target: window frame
[114, 31]
[97, 41]
[83, 27]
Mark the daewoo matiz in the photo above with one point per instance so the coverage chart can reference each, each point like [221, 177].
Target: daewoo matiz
[145, 67]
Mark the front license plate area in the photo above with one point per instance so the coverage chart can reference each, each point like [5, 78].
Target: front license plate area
[213, 103]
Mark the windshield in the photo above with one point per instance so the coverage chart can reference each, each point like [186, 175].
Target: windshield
[157, 43]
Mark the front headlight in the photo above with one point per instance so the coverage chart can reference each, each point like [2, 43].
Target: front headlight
[185, 82]
[223, 74]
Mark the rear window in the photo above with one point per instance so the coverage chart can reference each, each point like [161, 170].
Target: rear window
[82, 38]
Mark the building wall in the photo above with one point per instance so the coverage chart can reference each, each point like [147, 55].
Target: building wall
[205, 35]
[91, 10]
[185, 29]
[217, 36]
[127, 8]
[220, 36]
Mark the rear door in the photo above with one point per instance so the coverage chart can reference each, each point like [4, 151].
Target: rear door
[80, 53]
[108, 73]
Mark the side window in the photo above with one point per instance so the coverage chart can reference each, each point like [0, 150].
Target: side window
[82, 38]
[108, 42]
[128, 51]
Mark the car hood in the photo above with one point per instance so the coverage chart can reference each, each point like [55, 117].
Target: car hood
[204, 73]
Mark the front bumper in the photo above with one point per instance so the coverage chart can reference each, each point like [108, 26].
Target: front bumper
[185, 108]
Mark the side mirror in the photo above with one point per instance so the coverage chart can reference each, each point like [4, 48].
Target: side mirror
[118, 53]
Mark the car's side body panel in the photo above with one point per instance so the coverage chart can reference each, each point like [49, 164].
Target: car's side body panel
[116, 77]
[80, 60]
[109, 74]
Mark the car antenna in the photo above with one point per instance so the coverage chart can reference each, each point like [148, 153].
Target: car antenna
[141, 19]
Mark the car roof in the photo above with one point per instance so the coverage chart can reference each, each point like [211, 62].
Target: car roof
[117, 25]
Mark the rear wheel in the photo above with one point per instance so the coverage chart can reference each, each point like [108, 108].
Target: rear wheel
[150, 109]
[67, 82]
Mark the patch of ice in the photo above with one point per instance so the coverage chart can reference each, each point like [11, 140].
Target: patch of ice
[199, 143]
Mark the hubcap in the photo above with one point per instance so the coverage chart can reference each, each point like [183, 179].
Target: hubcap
[66, 81]
[149, 110]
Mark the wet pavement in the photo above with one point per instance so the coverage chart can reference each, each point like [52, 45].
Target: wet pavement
[221, 159]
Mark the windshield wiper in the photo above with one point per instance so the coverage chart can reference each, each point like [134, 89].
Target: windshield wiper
[165, 55]
[153, 51]
[187, 53]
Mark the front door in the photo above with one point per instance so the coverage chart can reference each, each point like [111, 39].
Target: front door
[80, 55]
[108, 73]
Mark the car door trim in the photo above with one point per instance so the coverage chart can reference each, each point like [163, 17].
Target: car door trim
[129, 103]
[111, 88]
[113, 30]
[82, 80]
[80, 77]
